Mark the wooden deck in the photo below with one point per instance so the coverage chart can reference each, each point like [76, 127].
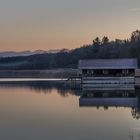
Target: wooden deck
[108, 83]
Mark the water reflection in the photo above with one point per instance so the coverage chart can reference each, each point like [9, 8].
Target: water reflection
[110, 98]
[88, 98]
[45, 87]
[52, 110]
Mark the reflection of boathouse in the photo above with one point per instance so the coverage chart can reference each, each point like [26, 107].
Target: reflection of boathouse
[107, 71]
[109, 99]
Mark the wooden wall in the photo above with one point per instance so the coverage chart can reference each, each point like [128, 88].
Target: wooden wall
[137, 77]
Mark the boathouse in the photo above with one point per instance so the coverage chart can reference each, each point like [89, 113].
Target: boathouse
[108, 71]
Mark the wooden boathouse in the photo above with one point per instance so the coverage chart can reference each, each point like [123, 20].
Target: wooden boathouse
[107, 72]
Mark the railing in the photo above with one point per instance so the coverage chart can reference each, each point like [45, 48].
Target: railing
[108, 82]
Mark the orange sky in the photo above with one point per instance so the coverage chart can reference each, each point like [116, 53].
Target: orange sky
[53, 24]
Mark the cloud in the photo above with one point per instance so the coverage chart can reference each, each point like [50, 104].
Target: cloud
[134, 9]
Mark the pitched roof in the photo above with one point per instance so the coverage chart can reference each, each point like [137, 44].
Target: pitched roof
[108, 64]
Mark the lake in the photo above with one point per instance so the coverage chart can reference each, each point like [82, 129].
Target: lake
[51, 110]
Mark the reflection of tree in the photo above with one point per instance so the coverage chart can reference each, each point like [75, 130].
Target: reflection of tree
[45, 87]
[136, 113]
[131, 136]
[105, 107]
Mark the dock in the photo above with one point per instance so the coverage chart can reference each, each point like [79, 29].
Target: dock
[75, 82]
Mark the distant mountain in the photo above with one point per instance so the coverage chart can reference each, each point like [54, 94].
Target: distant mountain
[58, 50]
[22, 53]
[53, 51]
[28, 53]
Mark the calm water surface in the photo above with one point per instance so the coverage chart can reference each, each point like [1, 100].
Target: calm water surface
[51, 111]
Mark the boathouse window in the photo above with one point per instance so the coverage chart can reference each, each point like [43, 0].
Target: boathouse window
[105, 72]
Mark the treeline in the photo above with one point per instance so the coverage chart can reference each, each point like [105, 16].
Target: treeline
[100, 48]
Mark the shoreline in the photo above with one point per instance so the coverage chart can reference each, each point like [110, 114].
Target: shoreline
[40, 74]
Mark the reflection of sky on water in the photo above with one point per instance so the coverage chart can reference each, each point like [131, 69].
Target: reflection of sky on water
[24, 114]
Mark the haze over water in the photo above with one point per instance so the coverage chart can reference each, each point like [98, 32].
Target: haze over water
[43, 110]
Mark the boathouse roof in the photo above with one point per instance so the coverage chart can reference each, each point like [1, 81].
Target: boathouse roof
[108, 64]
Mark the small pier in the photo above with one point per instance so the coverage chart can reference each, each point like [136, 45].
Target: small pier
[75, 82]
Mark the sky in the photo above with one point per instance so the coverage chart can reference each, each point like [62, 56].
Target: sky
[57, 24]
